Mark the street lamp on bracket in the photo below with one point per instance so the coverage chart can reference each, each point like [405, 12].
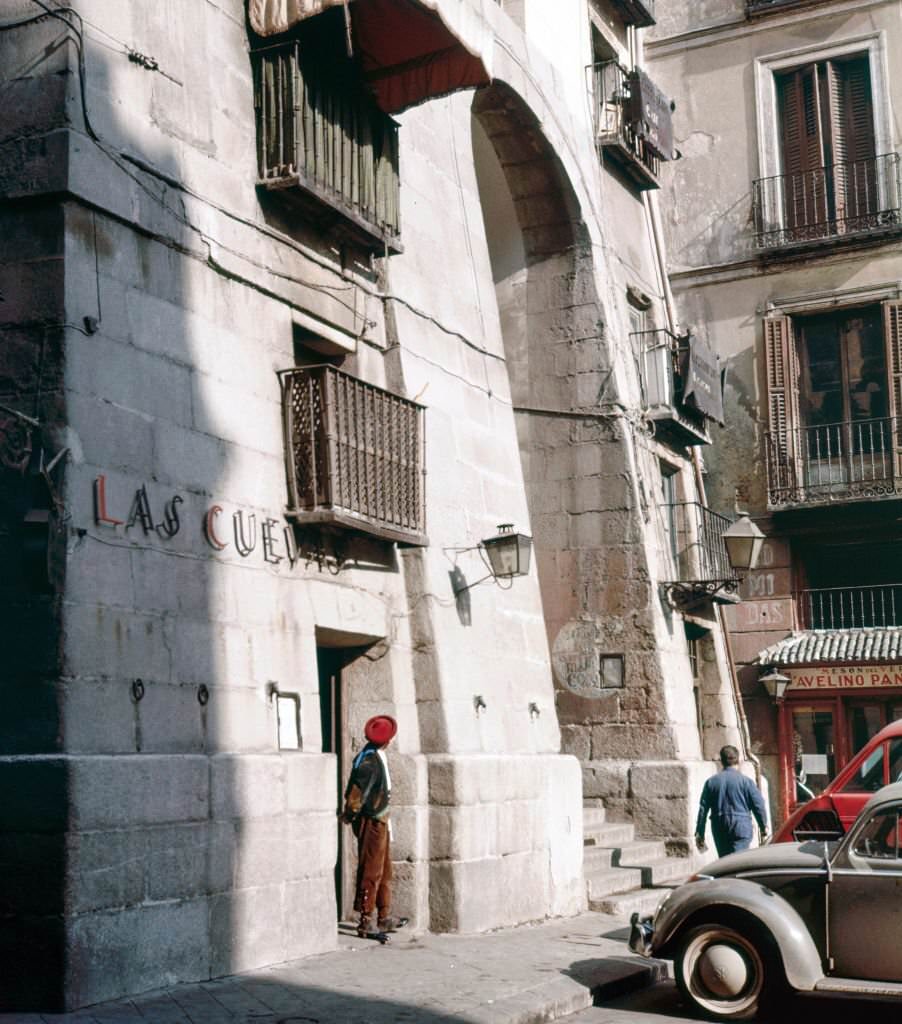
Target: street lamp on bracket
[506, 555]
[743, 541]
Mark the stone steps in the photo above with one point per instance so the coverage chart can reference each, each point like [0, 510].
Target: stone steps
[623, 905]
[624, 874]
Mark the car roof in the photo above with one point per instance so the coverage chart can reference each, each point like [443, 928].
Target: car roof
[889, 794]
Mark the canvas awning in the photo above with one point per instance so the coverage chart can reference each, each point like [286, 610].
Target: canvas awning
[410, 50]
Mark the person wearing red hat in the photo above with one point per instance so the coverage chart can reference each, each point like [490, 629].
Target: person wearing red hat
[366, 811]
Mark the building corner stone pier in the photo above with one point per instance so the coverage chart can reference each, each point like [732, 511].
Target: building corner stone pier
[291, 322]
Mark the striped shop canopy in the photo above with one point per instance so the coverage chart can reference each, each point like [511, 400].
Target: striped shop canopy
[409, 50]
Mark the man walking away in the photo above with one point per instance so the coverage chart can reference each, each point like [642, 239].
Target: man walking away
[366, 811]
[731, 798]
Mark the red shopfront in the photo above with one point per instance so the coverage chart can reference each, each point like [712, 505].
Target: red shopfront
[828, 714]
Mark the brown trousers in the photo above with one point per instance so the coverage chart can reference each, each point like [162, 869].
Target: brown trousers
[373, 867]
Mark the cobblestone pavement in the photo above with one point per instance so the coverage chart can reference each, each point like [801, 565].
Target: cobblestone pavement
[515, 976]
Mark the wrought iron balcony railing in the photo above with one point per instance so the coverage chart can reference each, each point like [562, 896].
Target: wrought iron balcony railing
[660, 355]
[850, 607]
[640, 13]
[834, 462]
[699, 554]
[838, 202]
[328, 138]
[354, 455]
[617, 130]
[753, 7]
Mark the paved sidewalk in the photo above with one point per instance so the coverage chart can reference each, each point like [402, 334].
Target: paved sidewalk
[521, 975]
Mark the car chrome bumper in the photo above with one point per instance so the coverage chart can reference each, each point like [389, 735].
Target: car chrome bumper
[641, 933]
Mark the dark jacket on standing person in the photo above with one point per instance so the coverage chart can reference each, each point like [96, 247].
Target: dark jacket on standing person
[367, 792]
[731, 798]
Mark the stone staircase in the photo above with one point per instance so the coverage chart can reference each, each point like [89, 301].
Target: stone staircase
[624, 874]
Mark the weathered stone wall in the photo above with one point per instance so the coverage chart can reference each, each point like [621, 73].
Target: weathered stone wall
[711, 58]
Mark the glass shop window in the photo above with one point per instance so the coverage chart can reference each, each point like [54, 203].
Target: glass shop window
[814, 750]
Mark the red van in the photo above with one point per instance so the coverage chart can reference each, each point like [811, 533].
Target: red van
[829, 815]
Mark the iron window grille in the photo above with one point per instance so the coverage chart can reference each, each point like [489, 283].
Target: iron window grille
[354, 455]
[323, 134]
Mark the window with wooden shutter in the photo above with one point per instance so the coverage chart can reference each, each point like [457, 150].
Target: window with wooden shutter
[830, 170]
[781, 367]
[892, 325]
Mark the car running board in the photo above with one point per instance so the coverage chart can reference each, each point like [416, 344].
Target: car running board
[859, 987]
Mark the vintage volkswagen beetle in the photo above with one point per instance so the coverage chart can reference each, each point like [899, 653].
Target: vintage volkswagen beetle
[805, 916]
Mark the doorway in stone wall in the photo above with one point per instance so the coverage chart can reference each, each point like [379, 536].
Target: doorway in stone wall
[346, 686]
[333, 717]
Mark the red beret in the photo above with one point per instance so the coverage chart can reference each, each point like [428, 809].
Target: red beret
[380, 729]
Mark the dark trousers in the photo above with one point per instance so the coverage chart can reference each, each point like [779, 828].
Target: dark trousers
[730, 838]
[373, 867]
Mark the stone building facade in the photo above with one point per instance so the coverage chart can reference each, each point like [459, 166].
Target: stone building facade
[784, 223]
[287, 333]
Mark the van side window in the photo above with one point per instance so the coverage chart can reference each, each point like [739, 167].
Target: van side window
[869, 777]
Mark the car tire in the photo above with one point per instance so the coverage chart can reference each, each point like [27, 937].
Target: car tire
[725, 974]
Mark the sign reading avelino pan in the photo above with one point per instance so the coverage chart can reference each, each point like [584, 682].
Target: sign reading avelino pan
[844, 677]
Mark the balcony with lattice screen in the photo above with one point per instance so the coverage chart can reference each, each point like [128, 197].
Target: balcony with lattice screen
[354, 455]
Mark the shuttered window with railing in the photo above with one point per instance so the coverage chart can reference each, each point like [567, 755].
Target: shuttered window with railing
[834, 385]
[833, 182]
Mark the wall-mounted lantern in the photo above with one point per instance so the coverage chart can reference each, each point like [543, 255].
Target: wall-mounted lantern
[775, 683]
[507, 554]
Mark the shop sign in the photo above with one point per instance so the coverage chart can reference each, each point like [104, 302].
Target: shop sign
[273, 540]
[844, 677]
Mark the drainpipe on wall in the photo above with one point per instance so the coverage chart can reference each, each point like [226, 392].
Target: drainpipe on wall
[649, 200]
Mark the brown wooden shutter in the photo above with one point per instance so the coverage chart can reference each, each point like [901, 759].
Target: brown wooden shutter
[892, 325]
[804, 196]
[849, 126]
[781, 363]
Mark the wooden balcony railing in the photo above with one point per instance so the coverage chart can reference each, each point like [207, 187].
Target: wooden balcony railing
[326, 136]
[838, 202]
[850, 607]
[835, 462]
[699, 553]
[354, 455]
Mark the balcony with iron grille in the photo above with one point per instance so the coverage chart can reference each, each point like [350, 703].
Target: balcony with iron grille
[699, 556]
[619, 128]
[661, 356]
[325, 148]
[753, 8]
[639, 13]
[847, 202]
[850, 607]
[833, 463]
[354, 455]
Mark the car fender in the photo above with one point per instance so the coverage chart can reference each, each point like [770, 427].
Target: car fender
[801, 960]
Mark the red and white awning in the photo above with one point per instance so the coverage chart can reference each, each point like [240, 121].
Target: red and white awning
[410, 50]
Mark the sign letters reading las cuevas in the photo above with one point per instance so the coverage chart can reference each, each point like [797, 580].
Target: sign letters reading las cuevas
[845, 677]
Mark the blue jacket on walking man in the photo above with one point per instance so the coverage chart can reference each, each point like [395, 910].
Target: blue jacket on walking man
[731, 798]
